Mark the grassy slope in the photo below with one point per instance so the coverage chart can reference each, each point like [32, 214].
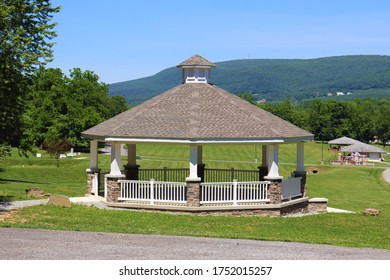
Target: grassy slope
[353, 188]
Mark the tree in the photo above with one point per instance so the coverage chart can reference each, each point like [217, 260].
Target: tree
[5, 151]
[60, 107]
[246, 96]
[320, 120]
[26, 34]
[57, 147]
[382, 122]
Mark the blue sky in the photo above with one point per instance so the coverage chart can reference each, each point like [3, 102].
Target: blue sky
[128, 39]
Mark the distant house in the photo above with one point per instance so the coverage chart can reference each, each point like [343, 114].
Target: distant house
[339, 93]
[329, 94]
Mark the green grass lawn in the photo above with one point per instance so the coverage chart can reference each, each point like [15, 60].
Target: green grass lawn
[346, 187]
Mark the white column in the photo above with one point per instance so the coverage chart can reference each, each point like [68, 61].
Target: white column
[93, 160]
[193, 164]
[272, 162]
[115, 159]
[300, 156]
[131, 154]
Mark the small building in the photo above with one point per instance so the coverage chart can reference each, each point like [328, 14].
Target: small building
[343, 141]
[197, 113]
[364, 152]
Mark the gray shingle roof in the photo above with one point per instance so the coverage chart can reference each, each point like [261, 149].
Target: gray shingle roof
[362, 148]
[196, 60]
[197, 111]
[343, 141]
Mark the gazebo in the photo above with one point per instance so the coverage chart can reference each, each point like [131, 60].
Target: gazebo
[197, 113]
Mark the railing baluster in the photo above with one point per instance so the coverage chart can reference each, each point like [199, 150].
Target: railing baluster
[152, 192]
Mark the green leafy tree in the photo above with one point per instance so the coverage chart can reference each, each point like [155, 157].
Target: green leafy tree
[246, 96]
[382, 122]
[320, 120]
[363, 113]
[26, 34]
[286, 110]
[62, 107]
[57, 147]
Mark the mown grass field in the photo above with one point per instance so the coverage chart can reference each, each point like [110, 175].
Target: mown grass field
[346, 187]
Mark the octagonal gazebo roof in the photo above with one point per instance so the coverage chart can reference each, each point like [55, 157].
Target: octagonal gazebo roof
[197, 113]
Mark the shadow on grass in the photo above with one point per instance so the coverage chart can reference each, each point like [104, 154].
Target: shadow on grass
[2, 181]
[5, 199]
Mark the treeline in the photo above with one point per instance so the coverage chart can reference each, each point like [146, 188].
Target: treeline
[41, 105]
[361, 119]
[60, 107]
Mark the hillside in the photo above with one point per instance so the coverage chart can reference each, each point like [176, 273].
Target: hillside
[276, 79]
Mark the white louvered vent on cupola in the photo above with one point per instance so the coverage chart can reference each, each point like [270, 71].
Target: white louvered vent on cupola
[196, 69]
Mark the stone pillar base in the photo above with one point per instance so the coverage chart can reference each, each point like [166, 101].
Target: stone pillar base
[113, 187]
[303, 175]
[91, 174]
[131, 171]
[193, 193]
[275, 191]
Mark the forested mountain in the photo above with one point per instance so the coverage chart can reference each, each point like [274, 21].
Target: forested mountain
[275, 79]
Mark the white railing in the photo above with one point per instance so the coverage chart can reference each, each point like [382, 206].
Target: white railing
[153, 191]
[291, 188]
[234, 192]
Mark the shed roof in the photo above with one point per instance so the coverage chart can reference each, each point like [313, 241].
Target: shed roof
[343, 141]
[362, 148]
[197, 113]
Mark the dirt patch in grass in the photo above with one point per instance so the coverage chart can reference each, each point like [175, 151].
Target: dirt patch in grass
[11, 217]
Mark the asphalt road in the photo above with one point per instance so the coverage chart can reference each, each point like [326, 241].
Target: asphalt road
[31, 244]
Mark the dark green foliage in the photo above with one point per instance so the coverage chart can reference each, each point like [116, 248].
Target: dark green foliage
[26, 34]
[361, 119]
[287, 111]
[5, 151]
[59, 107]
[276, 79]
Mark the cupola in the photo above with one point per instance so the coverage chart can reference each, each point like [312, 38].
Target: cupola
[196, 69]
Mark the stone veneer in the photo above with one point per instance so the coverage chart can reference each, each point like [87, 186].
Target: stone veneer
[193, 193]
[113, 187]
[285, 208]
[90, 178]
[318, 205]
[275, 191]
